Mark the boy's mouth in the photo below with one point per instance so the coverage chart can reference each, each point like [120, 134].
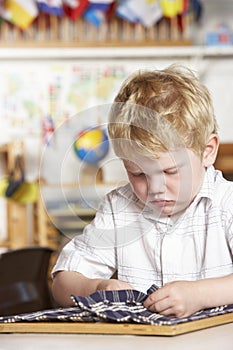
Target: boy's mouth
[161, 202]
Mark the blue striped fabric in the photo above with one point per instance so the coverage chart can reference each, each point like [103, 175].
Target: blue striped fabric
[112, 306]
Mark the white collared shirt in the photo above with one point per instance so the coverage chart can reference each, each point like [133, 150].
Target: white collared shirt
[127, 237]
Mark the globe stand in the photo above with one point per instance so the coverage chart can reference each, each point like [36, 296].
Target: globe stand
[91, 174]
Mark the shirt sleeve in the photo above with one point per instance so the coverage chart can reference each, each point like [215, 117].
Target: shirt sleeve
[93, 252]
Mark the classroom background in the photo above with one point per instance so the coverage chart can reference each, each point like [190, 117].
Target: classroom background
[61, 64]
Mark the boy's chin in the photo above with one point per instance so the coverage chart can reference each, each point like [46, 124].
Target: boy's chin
[168, 211]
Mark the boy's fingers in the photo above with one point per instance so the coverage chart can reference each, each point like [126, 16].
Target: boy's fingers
[155, 297]
[166, 311]
[158, 306]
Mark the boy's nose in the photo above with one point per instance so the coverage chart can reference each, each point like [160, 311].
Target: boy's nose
[156, 184]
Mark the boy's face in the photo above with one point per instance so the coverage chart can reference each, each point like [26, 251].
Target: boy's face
[168, 184]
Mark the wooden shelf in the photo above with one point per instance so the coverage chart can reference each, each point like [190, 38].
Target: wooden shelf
[112, 53]
[47, 31]
[94, 44]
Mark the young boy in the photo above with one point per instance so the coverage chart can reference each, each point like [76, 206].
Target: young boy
[172, 225]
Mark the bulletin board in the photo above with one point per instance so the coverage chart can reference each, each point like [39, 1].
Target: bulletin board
[33, 90]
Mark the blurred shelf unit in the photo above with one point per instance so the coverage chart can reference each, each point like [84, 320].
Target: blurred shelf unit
[25, 223]
[57, 219]
[68, 210]
[16, 213]
[54, 31]
[43, 223]
[71, 222]
[45, 232]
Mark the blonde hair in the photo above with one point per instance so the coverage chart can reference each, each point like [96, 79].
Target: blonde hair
[160, 111]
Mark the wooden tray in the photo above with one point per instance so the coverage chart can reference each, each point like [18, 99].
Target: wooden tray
[114, 328]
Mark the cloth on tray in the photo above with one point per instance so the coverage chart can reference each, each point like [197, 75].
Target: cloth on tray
[112, 306]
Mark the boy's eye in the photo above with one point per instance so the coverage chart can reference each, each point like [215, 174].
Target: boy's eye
[137, 174]
[171, 171]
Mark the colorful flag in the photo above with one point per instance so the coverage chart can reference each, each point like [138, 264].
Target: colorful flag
[96, 12]
[171, 8]
[147, 12]
[111, 11]
[101, 5]
[47, 129]
[74, 8]
[19, 12]
[51, 7]
[185, 6]
[197, 9]
[124, 11]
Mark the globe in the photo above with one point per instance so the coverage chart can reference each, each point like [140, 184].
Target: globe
[91, 145]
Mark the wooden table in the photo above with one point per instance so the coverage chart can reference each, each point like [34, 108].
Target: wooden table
[216, 338]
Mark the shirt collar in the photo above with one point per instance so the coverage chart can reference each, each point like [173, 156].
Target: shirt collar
[208, 185]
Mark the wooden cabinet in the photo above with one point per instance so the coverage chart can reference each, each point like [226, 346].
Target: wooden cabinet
[45, 232]
[224, 161]
[17, 225]
[32, 224]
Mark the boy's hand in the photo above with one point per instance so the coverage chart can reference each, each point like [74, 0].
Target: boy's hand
[179, 299]
[113, 284]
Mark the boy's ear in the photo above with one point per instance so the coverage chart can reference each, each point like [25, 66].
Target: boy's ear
[211, 150]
